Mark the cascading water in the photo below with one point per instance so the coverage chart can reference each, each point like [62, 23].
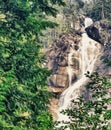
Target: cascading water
[88, 22]
[88, 52]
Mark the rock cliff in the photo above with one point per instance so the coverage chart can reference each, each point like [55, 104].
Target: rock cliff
[57, 54]
[57, 57]
[60, 56]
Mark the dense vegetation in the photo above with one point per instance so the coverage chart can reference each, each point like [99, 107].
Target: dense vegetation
[66, 18]
[99, 9]
[23, 96]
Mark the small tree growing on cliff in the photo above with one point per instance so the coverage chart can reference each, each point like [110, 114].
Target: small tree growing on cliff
[94, 113]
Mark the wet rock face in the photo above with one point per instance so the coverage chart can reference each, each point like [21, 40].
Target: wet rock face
[57, 60]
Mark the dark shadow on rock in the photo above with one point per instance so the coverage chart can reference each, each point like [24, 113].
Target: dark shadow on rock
[93, 33]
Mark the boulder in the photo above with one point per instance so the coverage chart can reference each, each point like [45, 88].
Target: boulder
[59, 81]
[93, 33]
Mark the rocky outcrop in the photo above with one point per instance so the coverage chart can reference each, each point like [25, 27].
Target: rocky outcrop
[100, 31]
[105, 32]
[57, 54]
[93, 33]
[57, 57]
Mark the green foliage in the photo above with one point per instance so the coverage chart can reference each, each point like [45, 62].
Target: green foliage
[23, 79]
[99, 10]
[66, 19]
[71, 12]
[91, 114]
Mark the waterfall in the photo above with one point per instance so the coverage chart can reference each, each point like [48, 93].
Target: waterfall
[88, 22]
[88, 52]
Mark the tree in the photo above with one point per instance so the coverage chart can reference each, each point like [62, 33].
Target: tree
[99, 10]
[66, 19]
[23, 95]
[71, 12]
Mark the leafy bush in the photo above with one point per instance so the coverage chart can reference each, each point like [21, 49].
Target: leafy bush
[23, 79]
